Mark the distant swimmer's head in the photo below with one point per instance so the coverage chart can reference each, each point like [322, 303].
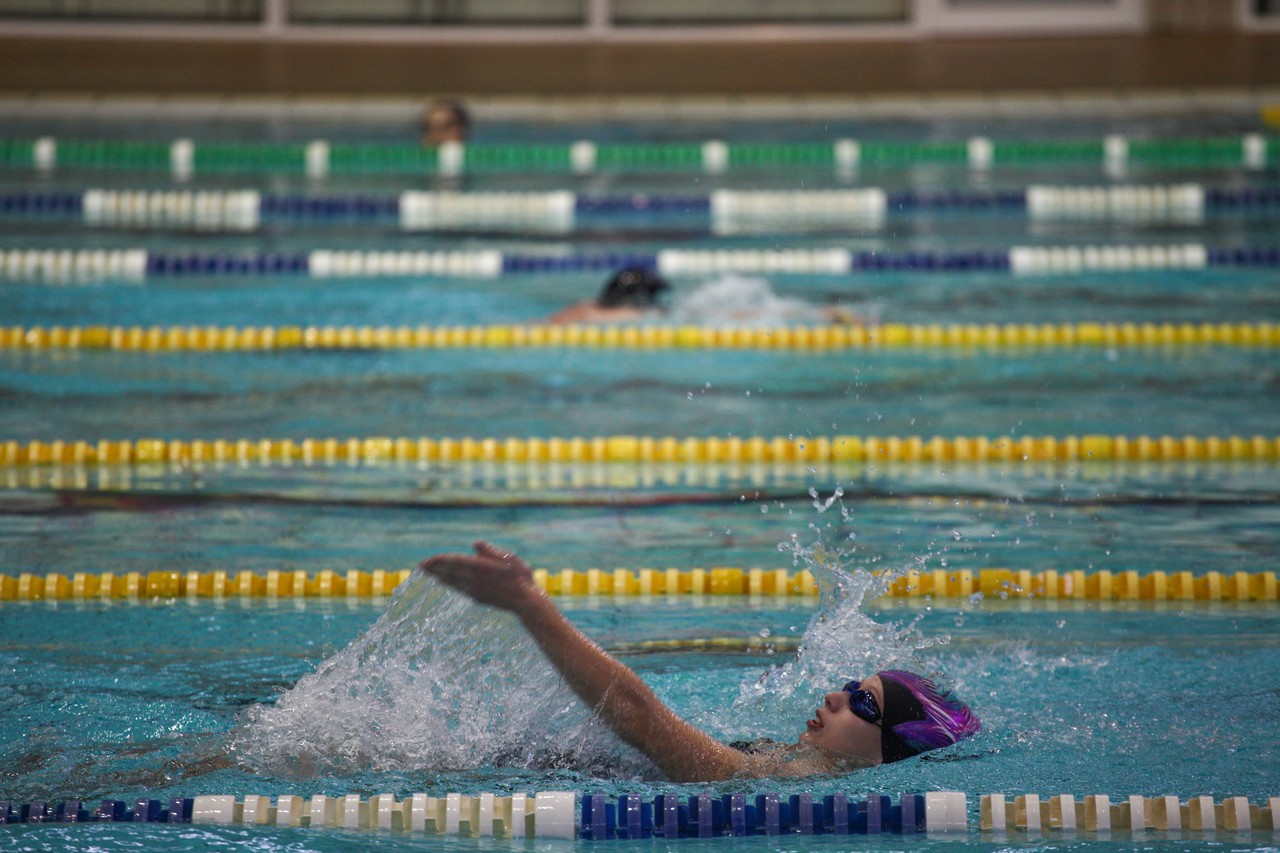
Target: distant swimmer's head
[446, 120]
[888, 717]
[633, 287]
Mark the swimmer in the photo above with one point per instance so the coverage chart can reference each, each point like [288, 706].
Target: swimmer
[446, 121]
[887, 717]
[637, 294]
[633, 294]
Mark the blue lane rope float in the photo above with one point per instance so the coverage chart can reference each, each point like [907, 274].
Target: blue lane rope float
[138, 264]
[319, 158]
[558, 212]
[598, 817]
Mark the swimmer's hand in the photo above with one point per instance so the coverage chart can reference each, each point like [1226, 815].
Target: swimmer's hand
[491, 576]
[608, 687]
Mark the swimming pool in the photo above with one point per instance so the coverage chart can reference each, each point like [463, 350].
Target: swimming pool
[113, 698]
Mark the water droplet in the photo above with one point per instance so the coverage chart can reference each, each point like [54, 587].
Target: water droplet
[764, 507]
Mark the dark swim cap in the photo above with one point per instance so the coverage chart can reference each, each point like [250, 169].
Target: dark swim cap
[633, 287]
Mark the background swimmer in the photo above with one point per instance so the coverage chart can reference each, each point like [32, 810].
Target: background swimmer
[633, 294]
[637, 295]
[446, 120]
[887, 717]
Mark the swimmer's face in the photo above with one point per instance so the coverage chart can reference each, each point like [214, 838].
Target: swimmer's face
[442, 125]
[837, 729]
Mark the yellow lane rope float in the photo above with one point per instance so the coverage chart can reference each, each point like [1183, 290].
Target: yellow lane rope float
[993, 583]
[988, 335]
[648, 450]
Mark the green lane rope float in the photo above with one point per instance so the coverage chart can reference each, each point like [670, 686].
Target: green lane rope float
[630, 449]
[962, 584]
[183, 158]
[798, 338]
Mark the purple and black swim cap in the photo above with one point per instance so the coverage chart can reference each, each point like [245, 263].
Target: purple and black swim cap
[918, 717]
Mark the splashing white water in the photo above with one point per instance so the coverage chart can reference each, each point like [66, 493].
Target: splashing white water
[734, 300]
[437, 683]
[841, 641]
[440, 683]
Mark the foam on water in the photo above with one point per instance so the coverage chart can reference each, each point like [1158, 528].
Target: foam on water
[734, 300]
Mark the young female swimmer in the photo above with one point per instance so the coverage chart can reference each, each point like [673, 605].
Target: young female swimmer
[887, 717]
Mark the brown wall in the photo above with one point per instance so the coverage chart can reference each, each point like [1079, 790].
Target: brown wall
[969, 66]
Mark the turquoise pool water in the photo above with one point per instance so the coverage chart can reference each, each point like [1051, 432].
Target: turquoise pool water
[129, 700]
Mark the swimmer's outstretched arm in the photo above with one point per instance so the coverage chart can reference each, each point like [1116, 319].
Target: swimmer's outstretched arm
[629, 707]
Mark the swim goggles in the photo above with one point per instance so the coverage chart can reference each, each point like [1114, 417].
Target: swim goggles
[863, 702]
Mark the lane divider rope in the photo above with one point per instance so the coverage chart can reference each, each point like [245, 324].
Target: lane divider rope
[481, 483]
[630, 336]
[630, 449]
[593, 816]
[559, 211]
[135, 265]
[320, 157]
[993, 583]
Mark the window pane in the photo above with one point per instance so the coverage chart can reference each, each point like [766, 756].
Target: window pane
[686, 12]
[139, 10]
[440, 12]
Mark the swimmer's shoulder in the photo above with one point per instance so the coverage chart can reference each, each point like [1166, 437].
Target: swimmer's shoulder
[759, 746]
[766, 757]
[590, 312]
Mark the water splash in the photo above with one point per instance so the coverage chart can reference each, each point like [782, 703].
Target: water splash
[840, 641]
[734, 300]
[438, 683]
